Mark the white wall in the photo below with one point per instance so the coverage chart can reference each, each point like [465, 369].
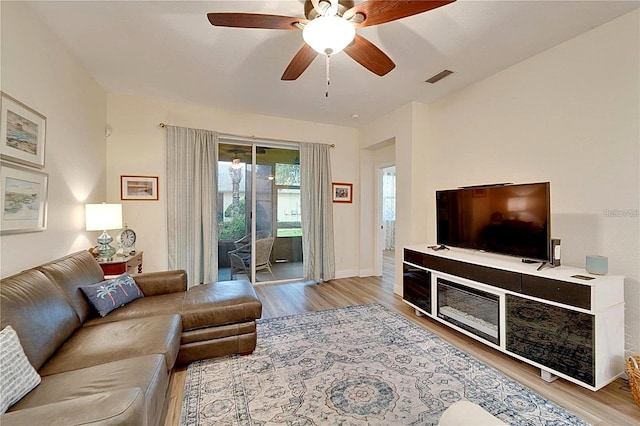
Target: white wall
[137, 147]
[38, 71]
[569, 115]
[403, 127]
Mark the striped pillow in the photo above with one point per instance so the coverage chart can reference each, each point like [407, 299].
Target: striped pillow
[17, 375]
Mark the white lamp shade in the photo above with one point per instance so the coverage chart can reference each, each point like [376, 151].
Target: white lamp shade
[100, 217]
[328, 34]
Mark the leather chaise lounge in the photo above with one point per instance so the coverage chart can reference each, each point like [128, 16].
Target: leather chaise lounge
[116, 369]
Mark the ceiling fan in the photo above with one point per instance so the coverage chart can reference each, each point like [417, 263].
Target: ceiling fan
[329, 27]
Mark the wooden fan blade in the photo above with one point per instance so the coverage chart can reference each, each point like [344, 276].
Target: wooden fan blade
[369, 56]
[255, 20]
[299, 63]
[380, 11]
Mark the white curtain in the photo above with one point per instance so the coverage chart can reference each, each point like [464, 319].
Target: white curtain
[317, 212]
[389, 206]
[389, 234]
[191, 203]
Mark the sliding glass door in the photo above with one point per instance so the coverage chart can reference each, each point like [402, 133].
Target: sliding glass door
[233, 218]
[287, 213]
[259, 230]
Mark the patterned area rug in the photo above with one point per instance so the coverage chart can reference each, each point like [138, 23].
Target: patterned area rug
[360, 365]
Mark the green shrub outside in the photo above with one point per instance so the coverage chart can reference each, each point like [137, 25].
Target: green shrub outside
[232, 227]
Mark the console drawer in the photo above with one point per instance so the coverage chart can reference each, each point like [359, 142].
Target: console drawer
[414, 257]
[558, 291]
[498, 278]
[559, 338]
[416, 285]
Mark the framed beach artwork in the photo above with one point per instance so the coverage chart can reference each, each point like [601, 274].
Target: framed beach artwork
[342, 192]
[22, 132]
[139, 188]
[23, 198]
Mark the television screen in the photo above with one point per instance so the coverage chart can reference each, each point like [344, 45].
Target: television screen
[505, 219]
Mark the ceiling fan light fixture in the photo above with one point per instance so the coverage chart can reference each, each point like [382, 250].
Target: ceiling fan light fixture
[328, 34]
[235, 163]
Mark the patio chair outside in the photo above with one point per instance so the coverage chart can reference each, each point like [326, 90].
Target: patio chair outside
[239, 261]
[247, 238]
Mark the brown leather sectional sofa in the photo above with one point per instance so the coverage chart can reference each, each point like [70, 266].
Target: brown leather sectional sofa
[116, 369]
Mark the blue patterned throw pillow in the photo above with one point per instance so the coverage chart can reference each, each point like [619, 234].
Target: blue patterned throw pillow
[111, 294]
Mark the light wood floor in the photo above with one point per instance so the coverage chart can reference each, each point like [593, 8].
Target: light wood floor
[612, 405]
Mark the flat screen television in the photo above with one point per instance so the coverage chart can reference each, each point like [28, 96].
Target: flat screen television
[506, 219]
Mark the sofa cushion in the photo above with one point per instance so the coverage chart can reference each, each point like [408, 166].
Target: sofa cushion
[38, 311]
[17, 375]
[202, 306]
[222, 302]
[164, 282]
[120, 407]
[211, 342]
[113, 341]
[218, 332]
[111, 294]
[70, 273]
[147, 373]
[237, 344]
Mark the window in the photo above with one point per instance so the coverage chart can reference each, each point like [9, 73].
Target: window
[287, 180]
[288, 175]
[389, 194]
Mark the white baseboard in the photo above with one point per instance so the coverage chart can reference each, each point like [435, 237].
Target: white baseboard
[367, 273]
[346, 274]
[397, 289]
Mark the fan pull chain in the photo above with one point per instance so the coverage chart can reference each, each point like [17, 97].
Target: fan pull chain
[326, 93]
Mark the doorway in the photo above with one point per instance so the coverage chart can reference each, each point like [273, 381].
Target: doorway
[258, 217]
[387, 220]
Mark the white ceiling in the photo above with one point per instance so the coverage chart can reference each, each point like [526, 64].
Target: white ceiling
[168, 49]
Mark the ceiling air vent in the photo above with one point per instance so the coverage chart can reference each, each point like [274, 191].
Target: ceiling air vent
[439, 76]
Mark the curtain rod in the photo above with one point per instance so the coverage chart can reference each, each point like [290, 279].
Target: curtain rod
[231, 135]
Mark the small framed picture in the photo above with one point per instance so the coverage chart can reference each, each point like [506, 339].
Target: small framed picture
[23, 199]
[342, 192]
[139, 188]
[22, 132]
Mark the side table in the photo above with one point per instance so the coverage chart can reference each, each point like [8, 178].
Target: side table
[132, 264]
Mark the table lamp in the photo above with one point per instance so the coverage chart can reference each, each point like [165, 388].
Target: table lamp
[102, 217]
